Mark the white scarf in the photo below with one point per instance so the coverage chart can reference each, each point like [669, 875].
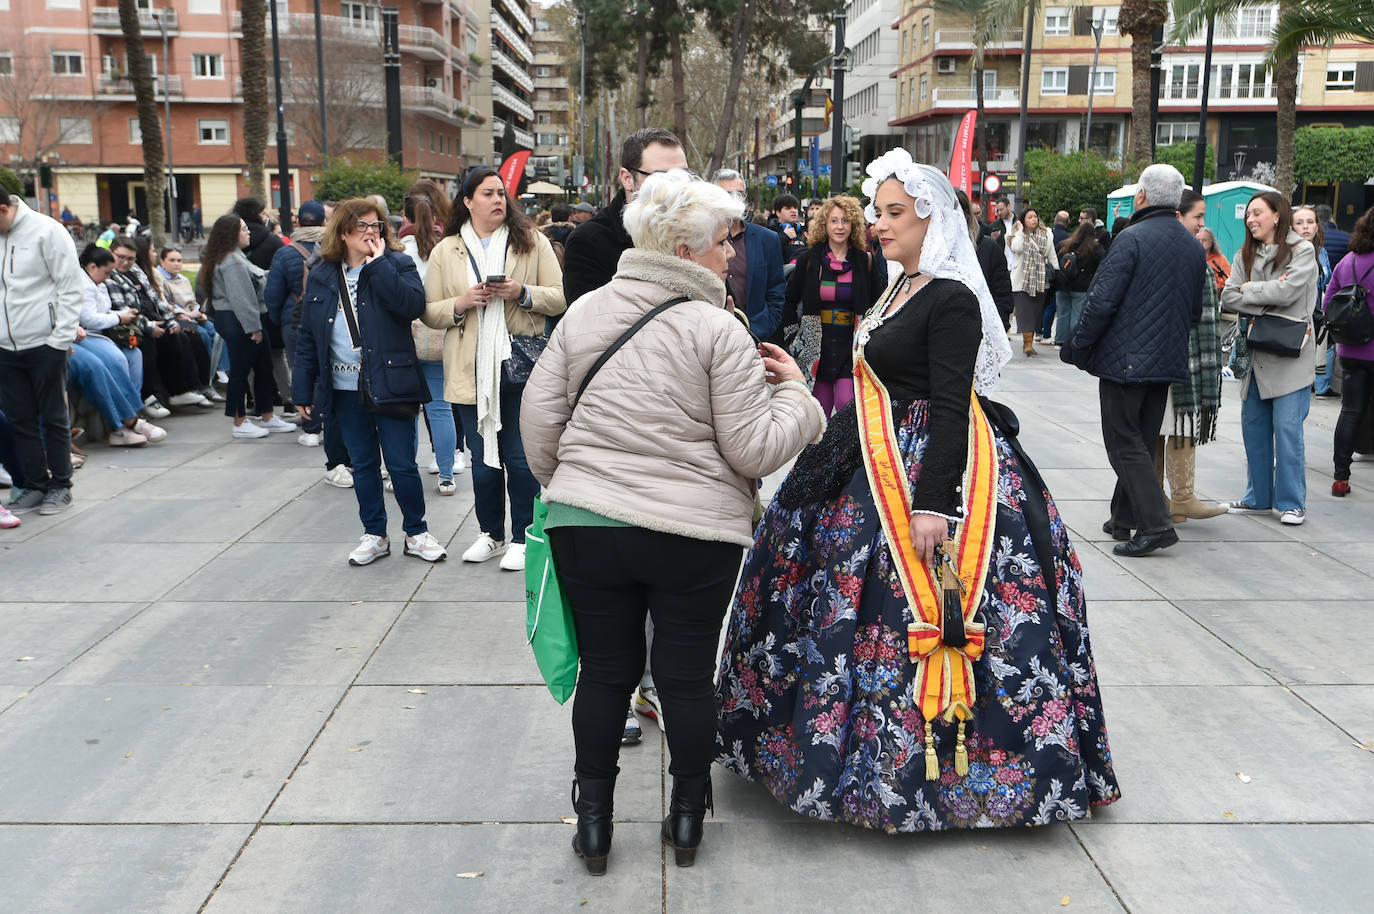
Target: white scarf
[493, 339]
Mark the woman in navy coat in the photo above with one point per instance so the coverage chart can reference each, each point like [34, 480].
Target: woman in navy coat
[360, 299]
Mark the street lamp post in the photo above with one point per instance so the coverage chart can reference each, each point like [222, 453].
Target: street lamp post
[167, 116]
[837, 66]
[319, 68]
[1200, 157]
[283, 168]
[1092, 83]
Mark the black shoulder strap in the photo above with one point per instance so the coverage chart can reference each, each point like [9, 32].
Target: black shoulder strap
[624, 338]
[346, 301]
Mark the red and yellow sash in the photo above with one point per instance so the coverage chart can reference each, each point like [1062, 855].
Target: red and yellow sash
[944, 673]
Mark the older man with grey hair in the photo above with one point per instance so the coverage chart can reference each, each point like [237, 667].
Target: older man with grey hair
[756, 282]
[1133, 336]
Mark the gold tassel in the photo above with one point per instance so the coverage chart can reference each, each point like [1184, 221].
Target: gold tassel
[932, 763]
[960, 753]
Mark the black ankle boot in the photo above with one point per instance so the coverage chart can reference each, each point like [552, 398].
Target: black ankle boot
[594, 801]
[683, 825]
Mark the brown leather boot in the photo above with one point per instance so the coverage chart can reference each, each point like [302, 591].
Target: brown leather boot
[1028, 344]
[1180, 463]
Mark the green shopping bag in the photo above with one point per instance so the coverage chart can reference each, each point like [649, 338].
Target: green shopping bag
[549, 626]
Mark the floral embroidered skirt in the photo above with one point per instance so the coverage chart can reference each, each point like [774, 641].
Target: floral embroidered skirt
[816, 687]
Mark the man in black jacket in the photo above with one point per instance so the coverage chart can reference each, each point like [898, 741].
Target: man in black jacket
[593, 250]
[1133, 335]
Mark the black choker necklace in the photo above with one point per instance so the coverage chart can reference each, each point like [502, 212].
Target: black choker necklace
[907, 279]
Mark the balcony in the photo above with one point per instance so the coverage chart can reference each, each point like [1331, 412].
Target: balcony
[512, 11]
[522, 137]
[431, 101]
[423, 42]
[119, 85]
[105, 21]
[963, 97]
[501, 27]
[517, 73]
[502, 96]
[962, 40]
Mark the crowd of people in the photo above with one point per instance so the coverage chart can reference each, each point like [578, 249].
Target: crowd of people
[906, 647]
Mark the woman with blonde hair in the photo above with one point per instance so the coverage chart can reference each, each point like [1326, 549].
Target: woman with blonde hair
[650, 468]
[836, 278]
[492, 283]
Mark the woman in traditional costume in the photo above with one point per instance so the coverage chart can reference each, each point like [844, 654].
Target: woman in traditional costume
[908, 647]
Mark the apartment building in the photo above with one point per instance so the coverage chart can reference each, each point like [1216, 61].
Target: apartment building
[512, 86]
[870, 93]
[934, 83]
[553, 116]
[67, 57]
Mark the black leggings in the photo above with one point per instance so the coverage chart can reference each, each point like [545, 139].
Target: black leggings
[171, 361]
[612, 576]
[245, 356]
[1357, 386]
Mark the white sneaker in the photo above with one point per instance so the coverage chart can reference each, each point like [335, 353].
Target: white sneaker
[222, 377]
[460, 462]
[484, 548]
[446, 487]
[341, 476]
[155, 410]
[150, 431]
[514, 559]
[309, 439]
[190, 398]
[277, 424]
[125, 437]
[433, 468]
[212, 395]
[425, 546]
[249, 430]
[369, 550]
[1293, 517]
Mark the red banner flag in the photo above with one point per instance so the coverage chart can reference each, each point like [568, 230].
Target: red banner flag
[961, 160]
[512, 169]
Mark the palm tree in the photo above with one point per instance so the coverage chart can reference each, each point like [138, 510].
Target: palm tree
[253, 54]
[987, 18]
[154, 176]
[1191, 15]
[1320, 22]
[1139, 19]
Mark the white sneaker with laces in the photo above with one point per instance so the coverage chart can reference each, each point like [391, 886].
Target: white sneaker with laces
[249, 430]
[514, 559]
[190, 398]
[277, 424]
[460, 462]
[425, 546]
[155, 410]
[150, 431]
[309, 439]
[446, 487]
[341, 477]
[125, 437]
[370, 549]
[484, 548]
[1293, 517]
[433, 468]
[645, 701]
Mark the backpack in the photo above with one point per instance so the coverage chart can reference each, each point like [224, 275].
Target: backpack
[1068, 271]
[1348, 319]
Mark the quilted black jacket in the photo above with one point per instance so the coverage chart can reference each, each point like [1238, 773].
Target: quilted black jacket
[1143, 300]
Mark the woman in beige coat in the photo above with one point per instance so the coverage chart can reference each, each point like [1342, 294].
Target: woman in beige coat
[650, 479]
[492, 283]
[1033, 245]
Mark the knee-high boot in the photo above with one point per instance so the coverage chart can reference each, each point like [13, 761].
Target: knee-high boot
[1180, 463]
[682, 827]
[594, 801]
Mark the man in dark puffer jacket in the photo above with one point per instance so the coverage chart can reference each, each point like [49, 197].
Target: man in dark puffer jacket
[1133, 336]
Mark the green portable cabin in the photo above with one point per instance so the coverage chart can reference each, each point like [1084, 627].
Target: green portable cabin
[1120, 203]
[1226, 212]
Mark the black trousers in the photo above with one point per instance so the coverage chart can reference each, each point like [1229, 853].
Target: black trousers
[33, 396]
[169, 361]
[1132, 415]
[1357, 387]
[245, 356]
[612, 577]
[200, 354]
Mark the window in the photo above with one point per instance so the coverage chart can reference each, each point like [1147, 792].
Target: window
[1108, 15]
[9, 129]
[1104, 81]
[925, 86]
[203, 6]
[212, 131]
[925, 30]
[360, 13]
[1054, 81]
[1340, 77]
[68, 63]
[73, 130]
[541, 71]
[1170, 132]
[1254, 22]
[7, 64]
[207, 66]
[135, 132]
[1056, 21]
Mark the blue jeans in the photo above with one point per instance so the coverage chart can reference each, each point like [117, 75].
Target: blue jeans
[1070, 310]
[442, 430]
[133, 359]
[104, 380]
[489, 486]
[364, 433]
[1275, 448]
[1323, 383]
[1051, 305]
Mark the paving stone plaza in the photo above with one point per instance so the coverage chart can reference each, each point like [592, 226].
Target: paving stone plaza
[204, 708]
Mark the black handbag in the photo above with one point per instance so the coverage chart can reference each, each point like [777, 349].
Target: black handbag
[404, 410]
[524, 352]
[1277, 335]
[1347, 318]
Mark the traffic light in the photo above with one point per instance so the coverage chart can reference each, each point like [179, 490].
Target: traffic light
[788, 180]
[853, 174]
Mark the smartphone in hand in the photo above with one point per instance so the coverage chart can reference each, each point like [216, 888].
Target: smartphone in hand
[496, 278]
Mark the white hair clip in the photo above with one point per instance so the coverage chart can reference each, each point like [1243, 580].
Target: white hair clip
[897, 163]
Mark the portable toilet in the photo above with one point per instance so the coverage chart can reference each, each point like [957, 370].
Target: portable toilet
[1226, 203]
[1120, 203]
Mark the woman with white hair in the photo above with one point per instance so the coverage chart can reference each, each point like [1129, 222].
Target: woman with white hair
[908, 648]
[650, 465]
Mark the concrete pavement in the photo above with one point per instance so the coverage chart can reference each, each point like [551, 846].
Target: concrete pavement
[202, 707]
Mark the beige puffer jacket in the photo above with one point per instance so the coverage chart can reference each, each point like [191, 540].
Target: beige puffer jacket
[675, 429]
